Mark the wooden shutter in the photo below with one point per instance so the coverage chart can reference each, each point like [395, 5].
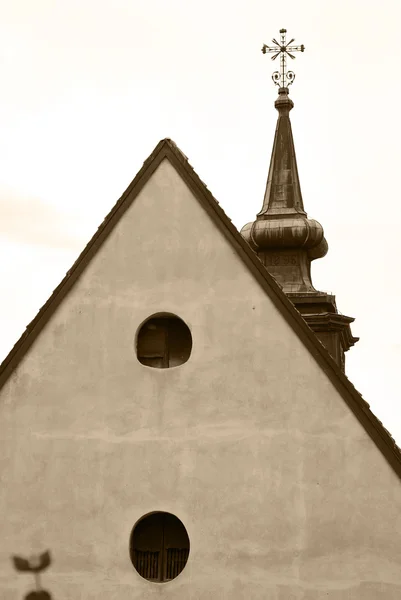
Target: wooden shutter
[148, 544]
[152, 344]
[176, 559]
[179, 342]
[176, 547]
[147, 564]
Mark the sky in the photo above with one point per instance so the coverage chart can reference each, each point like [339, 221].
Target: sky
[89, 87]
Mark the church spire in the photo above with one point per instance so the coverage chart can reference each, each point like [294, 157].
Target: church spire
[282, 226]
[285, 240]
[283, 190]
[282, 235]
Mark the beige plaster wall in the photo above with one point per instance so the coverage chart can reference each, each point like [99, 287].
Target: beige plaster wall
[283, 494]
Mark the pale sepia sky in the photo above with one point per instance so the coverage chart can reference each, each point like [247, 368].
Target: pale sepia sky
[88, 88]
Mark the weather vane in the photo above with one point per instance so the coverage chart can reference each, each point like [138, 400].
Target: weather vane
[283, 78]
[34, 565]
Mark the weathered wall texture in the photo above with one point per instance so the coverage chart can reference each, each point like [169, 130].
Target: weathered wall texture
[283, 494]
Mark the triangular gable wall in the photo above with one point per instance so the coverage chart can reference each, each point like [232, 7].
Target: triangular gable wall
[167, 149]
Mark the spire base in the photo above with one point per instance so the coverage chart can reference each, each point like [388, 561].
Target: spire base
[332, 329]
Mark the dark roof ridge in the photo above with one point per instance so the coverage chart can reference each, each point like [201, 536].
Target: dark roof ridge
[166, 148]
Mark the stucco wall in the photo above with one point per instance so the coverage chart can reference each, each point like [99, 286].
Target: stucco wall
[283, 494]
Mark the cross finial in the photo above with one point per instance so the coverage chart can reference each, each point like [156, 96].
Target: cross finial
[283, 78]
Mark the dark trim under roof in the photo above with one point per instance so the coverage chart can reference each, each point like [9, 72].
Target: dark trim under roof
[167, 149]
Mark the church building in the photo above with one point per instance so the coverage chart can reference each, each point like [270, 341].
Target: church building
[176, 421]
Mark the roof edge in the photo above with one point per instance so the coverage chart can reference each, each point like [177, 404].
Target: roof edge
[38, 322]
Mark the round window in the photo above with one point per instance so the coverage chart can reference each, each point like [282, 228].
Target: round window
[163, 341]
[159, 547]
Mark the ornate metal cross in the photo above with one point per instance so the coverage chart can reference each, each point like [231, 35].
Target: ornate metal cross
[283, 78]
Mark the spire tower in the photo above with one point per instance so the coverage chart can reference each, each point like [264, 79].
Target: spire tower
[285, 240]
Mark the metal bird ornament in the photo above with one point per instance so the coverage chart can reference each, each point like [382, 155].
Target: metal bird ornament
[34, 564]
[38, 595]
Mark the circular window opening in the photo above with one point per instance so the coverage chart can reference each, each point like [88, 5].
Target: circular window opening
[159, 547]
[163, 341]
